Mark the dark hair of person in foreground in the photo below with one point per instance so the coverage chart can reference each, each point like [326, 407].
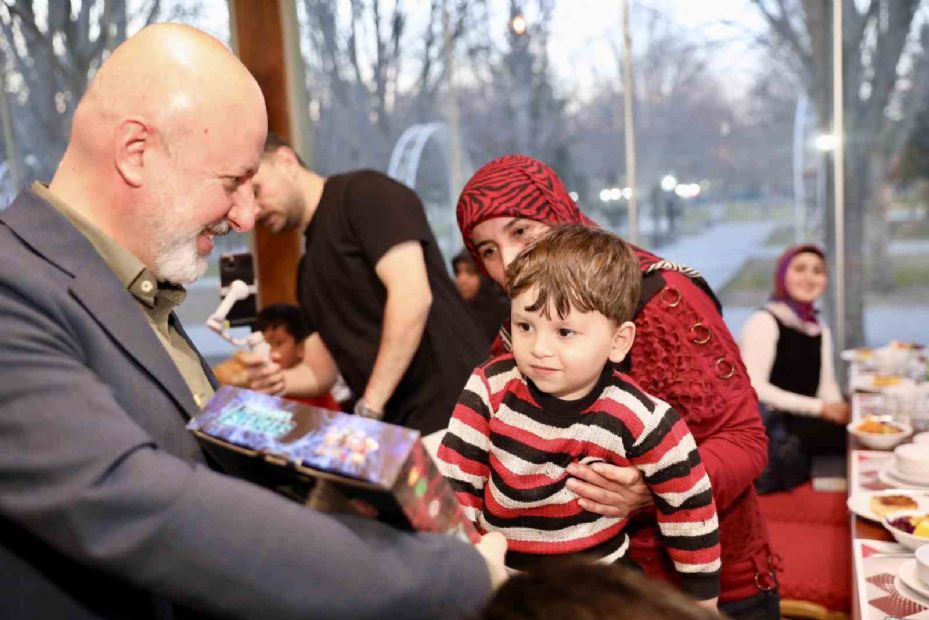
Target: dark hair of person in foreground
[582, 590]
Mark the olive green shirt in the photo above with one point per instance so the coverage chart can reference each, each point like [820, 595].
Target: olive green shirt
[157, 299]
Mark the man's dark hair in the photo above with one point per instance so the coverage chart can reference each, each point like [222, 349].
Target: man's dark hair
[588, 591]
[273, 142]
[287, 316]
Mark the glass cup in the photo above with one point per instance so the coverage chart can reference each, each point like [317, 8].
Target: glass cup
[919, 416]
[900, 404]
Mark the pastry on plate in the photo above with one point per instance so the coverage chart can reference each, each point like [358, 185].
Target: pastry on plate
[883, 505]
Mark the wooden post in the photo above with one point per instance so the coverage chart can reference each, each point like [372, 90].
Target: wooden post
[259, 40]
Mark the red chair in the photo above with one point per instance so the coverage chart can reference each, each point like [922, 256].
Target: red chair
[810, 531]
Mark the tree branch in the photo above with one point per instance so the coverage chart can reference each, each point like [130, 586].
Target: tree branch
[782, 26]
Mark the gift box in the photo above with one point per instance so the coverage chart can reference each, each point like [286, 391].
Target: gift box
[285, 444]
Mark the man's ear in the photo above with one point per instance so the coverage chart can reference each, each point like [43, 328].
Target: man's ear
[300, 349]
[623, 338]
[129, 145]
[286, 156]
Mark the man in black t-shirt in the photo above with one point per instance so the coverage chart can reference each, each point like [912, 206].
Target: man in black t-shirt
[374, 289]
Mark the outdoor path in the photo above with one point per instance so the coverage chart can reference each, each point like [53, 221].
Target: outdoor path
[902, 247]
[720, 251]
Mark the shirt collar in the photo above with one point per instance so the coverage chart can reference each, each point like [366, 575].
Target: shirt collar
[130, 271]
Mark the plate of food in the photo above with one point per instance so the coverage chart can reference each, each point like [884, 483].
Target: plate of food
[876, 505]
[859, 354]
[880, 432]
[910, 528]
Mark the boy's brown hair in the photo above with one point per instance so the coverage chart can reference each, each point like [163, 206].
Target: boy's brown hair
[587, 269]
[586, 591]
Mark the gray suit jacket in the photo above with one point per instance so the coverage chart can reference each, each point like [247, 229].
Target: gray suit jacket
[107, 506]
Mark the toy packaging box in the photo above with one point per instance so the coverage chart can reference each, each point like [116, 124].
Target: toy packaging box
[279, 442]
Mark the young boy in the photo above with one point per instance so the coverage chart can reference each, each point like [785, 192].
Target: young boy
[284, 329]
[524, 417]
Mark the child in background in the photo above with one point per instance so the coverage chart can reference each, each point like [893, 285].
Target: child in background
[489, 305]
[525, 416]
[284, 329]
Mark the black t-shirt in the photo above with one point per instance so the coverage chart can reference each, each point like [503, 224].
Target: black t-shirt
[361, 216]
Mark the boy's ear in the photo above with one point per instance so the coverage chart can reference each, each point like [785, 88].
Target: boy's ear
[623, 338]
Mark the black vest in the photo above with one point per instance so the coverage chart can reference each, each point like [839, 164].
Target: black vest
[797, 361]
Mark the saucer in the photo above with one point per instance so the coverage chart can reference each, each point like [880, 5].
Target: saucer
[907, 574]
[860, 503]
[890, 475]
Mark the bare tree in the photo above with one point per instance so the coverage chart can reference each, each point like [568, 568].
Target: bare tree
[684, 123]
[356, 65]
[49, 52]
[884, 70]
[513, 106]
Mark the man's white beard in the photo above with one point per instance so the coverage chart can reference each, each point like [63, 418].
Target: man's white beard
[179, 262]
[176, 256]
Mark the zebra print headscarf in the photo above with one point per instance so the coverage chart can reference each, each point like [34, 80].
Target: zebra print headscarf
[515, 186]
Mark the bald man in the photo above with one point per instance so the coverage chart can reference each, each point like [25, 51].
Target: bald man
[108, 507]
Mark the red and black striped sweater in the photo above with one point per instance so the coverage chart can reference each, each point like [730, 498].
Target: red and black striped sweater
[507, 448]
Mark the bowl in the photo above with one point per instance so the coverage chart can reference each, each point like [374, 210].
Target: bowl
[922, 564]
[910, 541]
[912, 459]
[880, 441]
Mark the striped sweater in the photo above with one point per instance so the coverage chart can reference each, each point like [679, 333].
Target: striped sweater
[507, 448]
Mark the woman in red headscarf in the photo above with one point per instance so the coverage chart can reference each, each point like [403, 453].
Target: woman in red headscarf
[788, 354]
[683, 354]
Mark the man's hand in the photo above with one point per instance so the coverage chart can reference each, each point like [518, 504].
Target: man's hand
[493, 548]
[836, 413]
[263, 375]
[608, 490]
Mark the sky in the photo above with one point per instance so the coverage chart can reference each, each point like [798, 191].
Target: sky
[583, 35]
[585, 31]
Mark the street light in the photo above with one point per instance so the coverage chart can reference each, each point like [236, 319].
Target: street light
[826, 142]
[668, 182]
[518, 24]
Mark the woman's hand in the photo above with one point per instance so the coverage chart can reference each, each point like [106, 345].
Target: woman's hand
[607, 489]
[836, 413]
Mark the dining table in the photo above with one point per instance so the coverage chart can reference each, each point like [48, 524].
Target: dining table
[883, 585]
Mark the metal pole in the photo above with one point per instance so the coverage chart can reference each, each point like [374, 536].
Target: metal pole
[799, 162]
[301, 134]
[630, 127]
[454, 142]
[9, 138]
[838, 130]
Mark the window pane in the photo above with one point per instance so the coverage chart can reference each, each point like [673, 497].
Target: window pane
[44, 77]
